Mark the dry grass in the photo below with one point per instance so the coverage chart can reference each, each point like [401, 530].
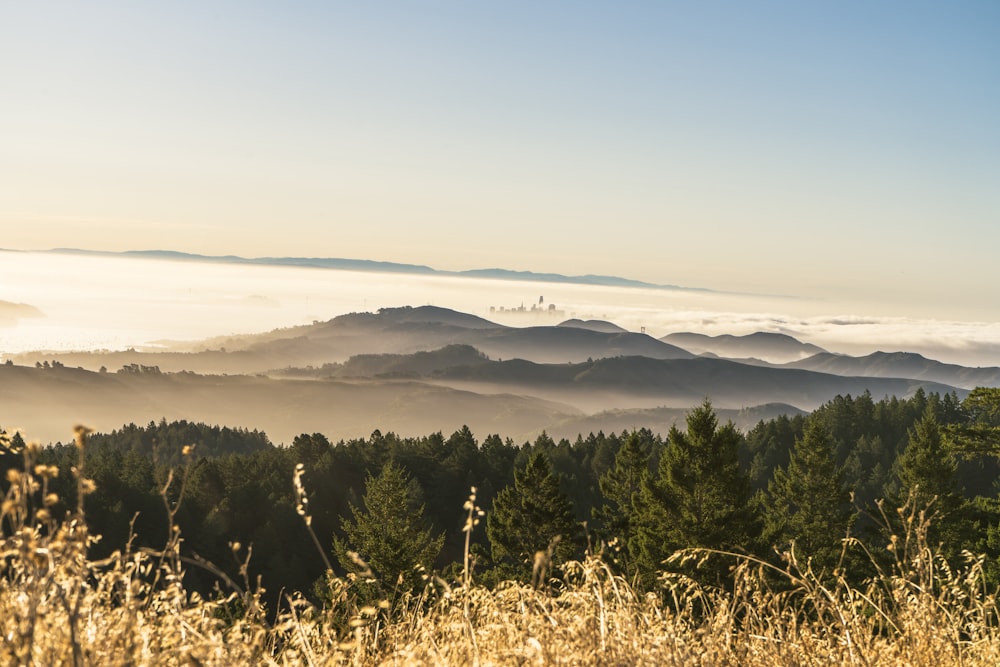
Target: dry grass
[58, 607]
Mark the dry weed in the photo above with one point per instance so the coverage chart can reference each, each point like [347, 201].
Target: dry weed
[57, 607]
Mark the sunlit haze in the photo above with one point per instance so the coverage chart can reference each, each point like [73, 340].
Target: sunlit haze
[845, 155]
[91, 303]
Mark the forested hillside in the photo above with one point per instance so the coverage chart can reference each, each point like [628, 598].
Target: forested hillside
[868, 531]
[635, 496]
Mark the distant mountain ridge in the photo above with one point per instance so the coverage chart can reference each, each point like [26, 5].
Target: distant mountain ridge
[314, 262]
[768, 346]
[645, 382]
[403, 330]
[426, 368]
[424, 329]
[11, 312]
[342, 264]
[594, 325]
[901, 364]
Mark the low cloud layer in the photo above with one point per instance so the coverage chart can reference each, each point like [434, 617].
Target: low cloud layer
[114, 303]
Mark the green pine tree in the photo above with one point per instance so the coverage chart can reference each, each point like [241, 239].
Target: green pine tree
[530, 515]
[980, 432]
[390, 533]
[808, 502]
[983, 406]
[926, 468]
[925, 474]
[619, 485]
[699, 497]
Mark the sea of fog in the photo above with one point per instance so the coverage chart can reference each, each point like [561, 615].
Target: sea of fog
[113, 302]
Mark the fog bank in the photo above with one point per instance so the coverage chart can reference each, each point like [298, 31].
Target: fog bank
[102, 302]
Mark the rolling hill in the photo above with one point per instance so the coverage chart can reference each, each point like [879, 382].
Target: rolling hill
[593, 325]
[899, 365]
[389, 331]
[418, 370]
[10, 312]
[46, 403]
[773, 347]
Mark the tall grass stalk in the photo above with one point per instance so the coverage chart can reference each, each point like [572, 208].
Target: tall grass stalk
[60, 607]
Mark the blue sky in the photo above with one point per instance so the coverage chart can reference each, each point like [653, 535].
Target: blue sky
[839, 150]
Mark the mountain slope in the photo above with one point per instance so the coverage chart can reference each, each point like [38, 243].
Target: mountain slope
[343, 264]
[641, 382]
[10, 313]
[773, 347]
[389, 331]
[46, 403]
[900, 365]
[593, 325]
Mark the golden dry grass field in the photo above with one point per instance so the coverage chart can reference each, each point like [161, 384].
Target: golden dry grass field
[58, 607]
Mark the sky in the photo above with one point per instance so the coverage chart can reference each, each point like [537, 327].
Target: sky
[847, 151]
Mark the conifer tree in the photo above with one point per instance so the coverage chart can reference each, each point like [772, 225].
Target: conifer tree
[808, 502]
[619, 485]
[390, 533]
[528, 515]
[699, 496]
[980, 434]
[926, 468]
[925, 474]
[983, 406]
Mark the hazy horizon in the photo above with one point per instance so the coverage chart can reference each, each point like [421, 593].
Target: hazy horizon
[847, 153]
[114, 302]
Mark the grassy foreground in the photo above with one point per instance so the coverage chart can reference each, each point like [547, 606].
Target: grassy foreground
[57, 607]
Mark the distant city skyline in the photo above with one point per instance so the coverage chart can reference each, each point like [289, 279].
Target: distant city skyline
[839, 151]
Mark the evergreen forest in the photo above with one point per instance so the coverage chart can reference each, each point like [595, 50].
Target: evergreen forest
[398, 509]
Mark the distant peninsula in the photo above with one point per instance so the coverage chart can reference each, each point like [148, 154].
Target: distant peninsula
[341, 264]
